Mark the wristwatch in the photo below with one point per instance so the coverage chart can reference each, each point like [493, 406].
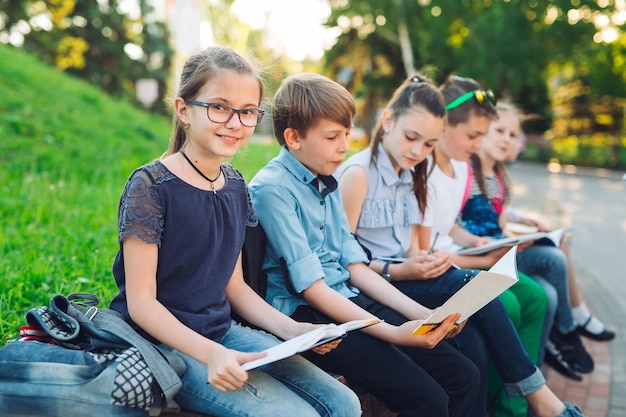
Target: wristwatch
[385, 274]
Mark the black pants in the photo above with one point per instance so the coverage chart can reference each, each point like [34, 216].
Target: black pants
[411, 381]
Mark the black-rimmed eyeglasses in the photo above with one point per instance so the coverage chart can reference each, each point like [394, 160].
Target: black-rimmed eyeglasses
[221, 113]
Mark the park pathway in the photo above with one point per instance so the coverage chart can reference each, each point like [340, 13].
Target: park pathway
[594, 202]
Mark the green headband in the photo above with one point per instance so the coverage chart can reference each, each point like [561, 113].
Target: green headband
[482, 96]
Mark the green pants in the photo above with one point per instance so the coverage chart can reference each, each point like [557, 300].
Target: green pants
[526, 304]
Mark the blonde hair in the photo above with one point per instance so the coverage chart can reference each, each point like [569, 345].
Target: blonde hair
[499, 167]
[508, 107]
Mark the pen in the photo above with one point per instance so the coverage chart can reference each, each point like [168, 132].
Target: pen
[432, 247]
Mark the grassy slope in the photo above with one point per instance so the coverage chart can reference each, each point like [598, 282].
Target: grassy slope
[65, 153]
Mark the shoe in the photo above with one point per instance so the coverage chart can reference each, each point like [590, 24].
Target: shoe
[555, 360]
[604, 336]
[571, 347]
[571, 410]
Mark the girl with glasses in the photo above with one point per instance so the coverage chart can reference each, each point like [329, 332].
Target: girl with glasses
[182, 222]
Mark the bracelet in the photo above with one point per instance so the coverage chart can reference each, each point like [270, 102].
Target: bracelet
[385, 274]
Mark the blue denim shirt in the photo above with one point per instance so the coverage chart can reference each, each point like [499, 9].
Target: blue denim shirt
[390, 207]
[308, 236]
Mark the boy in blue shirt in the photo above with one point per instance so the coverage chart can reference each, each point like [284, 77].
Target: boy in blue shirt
[317, 270]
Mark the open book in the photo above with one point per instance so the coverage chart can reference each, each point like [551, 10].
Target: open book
[309, 340]
[391, 259]
[474, 295]
[555, 236]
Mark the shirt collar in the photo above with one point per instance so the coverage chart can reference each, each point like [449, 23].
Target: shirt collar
[303, 174]
[388, 173]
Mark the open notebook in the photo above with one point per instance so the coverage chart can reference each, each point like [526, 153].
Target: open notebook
[474, 295]
[555, 236]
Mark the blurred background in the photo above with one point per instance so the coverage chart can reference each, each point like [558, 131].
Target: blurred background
[562, 61]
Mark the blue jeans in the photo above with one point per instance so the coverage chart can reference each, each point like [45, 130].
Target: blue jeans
[289, 387]
[498, 337]
[526, 305]
[553, 302]
[550, 263]
[39, 379]
[411, 381]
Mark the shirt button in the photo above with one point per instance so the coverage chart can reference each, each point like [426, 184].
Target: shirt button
[321, 202]
[322, 227]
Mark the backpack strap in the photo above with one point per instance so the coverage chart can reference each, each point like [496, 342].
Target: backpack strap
[161, 368]
[165, 371]
[468, 185]
[252, 256]
[498, 201]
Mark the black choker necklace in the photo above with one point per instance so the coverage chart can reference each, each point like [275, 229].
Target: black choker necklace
[219, 174]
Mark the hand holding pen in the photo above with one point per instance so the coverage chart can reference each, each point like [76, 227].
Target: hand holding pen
[432, 246]
[432, 249]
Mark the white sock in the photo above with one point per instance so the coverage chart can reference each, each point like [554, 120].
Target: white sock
[581, 315]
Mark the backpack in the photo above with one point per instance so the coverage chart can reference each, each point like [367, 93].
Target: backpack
[468, 185]
[75, 360]
[252, 256]
[253, 253]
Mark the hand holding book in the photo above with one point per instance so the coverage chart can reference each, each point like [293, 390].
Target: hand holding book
[479, 291]
[309, 340]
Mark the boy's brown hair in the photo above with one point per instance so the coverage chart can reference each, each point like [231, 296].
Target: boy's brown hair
[304, 99]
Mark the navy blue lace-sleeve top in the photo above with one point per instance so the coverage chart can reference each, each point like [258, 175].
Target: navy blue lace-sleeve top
[199, 235]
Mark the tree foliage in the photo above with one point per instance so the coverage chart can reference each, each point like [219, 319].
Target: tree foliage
[111, 43]
[510, 46]
[228, 30]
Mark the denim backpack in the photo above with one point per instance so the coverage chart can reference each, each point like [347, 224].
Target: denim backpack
[77, 360]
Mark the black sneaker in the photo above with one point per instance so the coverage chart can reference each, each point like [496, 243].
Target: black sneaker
[571, 347]
[555, 360]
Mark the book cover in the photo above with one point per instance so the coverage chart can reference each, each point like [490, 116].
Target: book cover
[474, 295]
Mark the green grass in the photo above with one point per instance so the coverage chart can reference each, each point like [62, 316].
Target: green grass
[65, 154]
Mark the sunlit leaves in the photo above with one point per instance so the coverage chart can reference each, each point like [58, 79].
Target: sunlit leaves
[112, 43]
[512, 46]
[71, 53]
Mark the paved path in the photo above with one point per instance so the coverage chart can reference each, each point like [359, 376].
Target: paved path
[594, 201]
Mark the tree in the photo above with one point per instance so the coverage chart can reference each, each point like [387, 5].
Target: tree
[507, 45]
[109, 43]
[228, 30]
[368, 50]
